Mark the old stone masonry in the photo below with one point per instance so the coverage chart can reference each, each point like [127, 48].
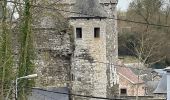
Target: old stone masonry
[82, 58]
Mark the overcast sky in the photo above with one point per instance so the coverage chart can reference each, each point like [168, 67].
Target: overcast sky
[123, 4]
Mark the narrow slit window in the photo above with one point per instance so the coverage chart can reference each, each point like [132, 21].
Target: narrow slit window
[72, 77]
[96, 32]
[78, 32]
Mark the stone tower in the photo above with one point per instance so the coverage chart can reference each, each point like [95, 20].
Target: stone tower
[95, 41]
[95, 47]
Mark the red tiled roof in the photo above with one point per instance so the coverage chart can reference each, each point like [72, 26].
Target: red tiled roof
[128, 74]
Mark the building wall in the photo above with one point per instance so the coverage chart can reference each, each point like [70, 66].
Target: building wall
[53, 48]
[88, 54]
[104, 49]
[131, 88]
[111, 41]
[55, 55]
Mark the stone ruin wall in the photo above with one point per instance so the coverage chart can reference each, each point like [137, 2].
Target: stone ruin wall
[54, 47]
[56, 54]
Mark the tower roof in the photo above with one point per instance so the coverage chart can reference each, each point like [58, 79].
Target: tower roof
[89, 8]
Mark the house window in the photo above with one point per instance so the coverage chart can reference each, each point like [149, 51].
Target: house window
[123, 91]
[78, 32]
[96, 32]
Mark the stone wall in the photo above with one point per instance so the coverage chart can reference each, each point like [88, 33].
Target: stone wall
[53, 47]
[111, 42]
[89, 73]
[56, 54]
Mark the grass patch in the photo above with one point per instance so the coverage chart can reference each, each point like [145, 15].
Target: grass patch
[128, 59]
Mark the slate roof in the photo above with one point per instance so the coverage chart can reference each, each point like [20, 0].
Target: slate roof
[162, 86]
[38, 94]
[128, 74]
[88, 8]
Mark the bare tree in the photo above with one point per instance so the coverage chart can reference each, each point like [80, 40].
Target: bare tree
[144, 40]
[5, 54]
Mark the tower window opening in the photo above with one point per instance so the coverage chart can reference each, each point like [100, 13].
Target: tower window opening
[72, 77]
[96, 32]
[78, 32]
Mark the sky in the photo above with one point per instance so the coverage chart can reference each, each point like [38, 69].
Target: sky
[123, 4]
